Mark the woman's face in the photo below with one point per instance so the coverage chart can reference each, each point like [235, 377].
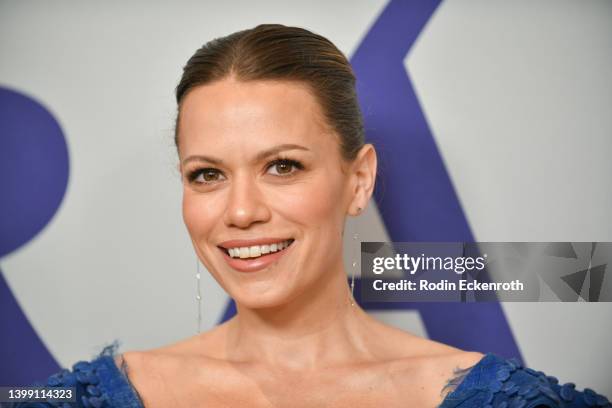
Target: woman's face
[260, 170]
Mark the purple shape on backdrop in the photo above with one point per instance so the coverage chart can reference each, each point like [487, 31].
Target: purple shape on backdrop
[230, 310]
[33, 178]
[33, 169]
[417, 200]
[414, 193]
[24, 358]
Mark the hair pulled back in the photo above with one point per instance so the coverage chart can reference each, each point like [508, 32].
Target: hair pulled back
[278, 52]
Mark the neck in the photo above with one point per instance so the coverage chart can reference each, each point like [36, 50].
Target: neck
[318, 328]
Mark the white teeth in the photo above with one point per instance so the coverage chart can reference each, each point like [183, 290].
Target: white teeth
[257, 250]
[244, 252]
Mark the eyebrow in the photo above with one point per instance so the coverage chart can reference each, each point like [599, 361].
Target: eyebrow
[260, 156]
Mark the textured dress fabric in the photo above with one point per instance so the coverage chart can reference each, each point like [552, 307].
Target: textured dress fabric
[492, 382]
[501, 383]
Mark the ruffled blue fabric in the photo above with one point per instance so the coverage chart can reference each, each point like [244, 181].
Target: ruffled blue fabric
[492, 382]
[501, 383]
[99, 384]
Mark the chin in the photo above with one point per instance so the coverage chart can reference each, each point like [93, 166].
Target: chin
[256, 300]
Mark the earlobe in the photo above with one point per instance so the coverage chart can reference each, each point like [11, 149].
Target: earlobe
[356, 211]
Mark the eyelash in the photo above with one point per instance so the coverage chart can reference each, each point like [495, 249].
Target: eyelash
[193, 175]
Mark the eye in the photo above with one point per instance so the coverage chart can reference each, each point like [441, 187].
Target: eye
[204, 176]
[284, 166]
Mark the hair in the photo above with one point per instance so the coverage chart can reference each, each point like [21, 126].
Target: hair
[278, 52]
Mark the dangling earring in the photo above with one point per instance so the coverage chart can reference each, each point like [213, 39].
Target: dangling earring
[198, 294]
[354, 265]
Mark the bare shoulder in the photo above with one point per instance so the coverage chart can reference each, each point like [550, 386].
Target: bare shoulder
[149, 372]
[409, 347]
[432, 373]
[206, 345]
[160, 375]
[441, 368]
[447, 370]
[424, 367]
[170, 358]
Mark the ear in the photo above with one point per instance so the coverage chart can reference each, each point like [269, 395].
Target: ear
[363, 174]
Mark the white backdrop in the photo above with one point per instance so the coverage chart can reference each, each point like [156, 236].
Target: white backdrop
[518, 96]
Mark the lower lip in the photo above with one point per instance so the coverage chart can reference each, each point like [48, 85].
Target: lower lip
[254, 264]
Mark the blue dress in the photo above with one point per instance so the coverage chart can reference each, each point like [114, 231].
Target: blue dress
[492, 382]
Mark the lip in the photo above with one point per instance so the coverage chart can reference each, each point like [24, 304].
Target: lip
[254, 264]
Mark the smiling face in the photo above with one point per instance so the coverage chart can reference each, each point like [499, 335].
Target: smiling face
[261, 169]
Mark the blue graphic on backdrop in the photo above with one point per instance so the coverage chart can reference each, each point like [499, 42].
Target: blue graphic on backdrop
[414, 193]
[33, 179]
[417, 200]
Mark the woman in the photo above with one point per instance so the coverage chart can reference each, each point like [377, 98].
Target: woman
[272, 157]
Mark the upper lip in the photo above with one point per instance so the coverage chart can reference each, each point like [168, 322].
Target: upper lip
[236, 243]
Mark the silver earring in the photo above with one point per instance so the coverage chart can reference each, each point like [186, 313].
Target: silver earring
[355, 240]
[198, 295]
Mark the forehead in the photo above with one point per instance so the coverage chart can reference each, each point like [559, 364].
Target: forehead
[254, 112]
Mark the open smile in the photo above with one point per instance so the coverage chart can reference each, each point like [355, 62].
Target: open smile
[255, 257]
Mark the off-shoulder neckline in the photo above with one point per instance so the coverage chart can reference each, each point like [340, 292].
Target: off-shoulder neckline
[116, 378]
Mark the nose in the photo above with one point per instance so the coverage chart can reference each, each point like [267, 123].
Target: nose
[246, 203]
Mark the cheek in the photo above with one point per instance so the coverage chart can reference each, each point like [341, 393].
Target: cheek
[317, 204]
[197, 214]
[189, 213]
